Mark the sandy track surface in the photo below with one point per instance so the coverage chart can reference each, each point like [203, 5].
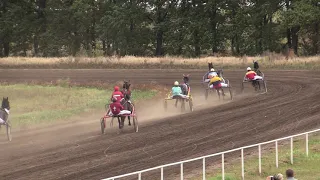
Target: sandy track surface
[76, 149]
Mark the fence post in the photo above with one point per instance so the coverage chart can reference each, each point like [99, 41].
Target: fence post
[161, 173]
[242, 164]
[222, 156]
[260, 159]
[181, 169]
[139, 177]
[204, 169]
[291, 147]
[307, 144]
[277, 164]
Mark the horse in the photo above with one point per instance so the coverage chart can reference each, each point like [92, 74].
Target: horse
[184, 87]
[127, 105]
[4, 114]
[4, 111]
[210, 66]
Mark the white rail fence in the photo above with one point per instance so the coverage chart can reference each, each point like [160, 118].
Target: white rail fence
[203, 158]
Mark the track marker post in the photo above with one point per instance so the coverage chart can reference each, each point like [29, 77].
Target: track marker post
[277, 158]
[242, 164]
[307, 145]
[222, 157]
[291, 147]
[260, 159]
[204, 168]
[161, 173]
[181, 170]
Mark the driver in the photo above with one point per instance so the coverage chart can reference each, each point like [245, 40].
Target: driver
[212, 73]
[216, 82]
[117, 94]
[251, 75]
[176, 90]
[117, 109]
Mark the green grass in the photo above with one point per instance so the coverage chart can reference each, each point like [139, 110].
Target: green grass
[35, 104]
[306, 168]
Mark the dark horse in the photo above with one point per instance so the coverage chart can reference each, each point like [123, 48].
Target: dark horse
[126, 103]
[4, 111]
[210, 66]
[184, 87]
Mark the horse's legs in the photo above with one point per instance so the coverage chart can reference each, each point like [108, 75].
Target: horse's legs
[129, 107]
[176, 104]
[222, 92]
[120, 125]
[129, 121]
[122, 120]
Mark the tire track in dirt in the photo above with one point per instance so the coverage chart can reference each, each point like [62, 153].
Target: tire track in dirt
[290, 106]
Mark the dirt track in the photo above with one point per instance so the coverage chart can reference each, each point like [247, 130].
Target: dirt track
[78, 151]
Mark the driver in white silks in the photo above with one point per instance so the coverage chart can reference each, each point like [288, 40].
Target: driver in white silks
[117, 109]
[212, 73]
[177, 91]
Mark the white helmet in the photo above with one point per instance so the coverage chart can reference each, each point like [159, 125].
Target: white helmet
[249, 69]
[176, 83]
[211, 69]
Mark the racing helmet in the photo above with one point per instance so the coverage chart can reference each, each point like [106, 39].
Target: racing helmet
[176, 83]
[211, 70]
[248, 68]
[116, 88]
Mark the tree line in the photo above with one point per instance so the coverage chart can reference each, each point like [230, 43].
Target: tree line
[188, 28]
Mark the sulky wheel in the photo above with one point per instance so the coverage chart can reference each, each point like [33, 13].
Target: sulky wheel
[230, 91]
[165, 105]
[135, 124]
[103, 125]
[191, 104]
[265, 86]
[206, 94]
[183, 105]
[242, 87]
[8, 128]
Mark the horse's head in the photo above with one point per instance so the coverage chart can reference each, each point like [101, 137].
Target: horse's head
[186, 78]
[5, 103]
[126, 85]
[210, 66]
[220, 72]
